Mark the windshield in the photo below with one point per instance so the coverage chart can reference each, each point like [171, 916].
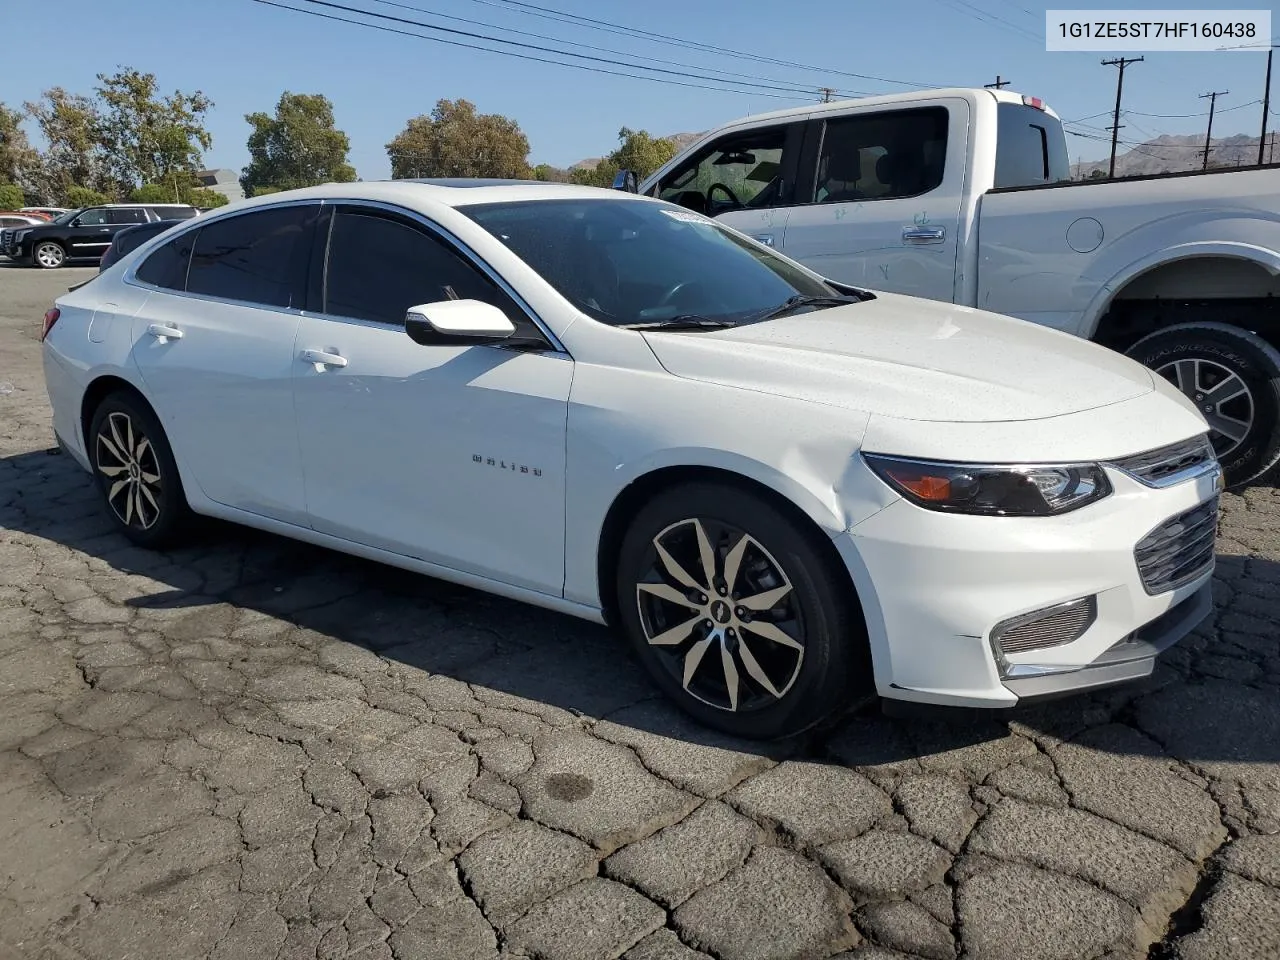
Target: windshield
[66, 217]
[639, 261]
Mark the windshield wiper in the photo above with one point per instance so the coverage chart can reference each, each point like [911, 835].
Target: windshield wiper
[686, 321]
[800, 300]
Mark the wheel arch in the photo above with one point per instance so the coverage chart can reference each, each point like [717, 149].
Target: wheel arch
[1169, 275]
[643, 488]
[98, 390]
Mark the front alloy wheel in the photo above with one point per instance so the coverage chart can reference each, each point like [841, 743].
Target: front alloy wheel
[731, 634]
[49, 255]
[741, 611]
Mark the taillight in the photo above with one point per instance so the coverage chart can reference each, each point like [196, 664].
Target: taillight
[50, 318]
[1033, 102]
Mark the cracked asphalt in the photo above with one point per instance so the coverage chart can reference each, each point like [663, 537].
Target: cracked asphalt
[252, 748]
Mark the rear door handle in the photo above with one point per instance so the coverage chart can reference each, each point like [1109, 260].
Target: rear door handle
[323, 359]
[765, 238]
[164, 332]
[924, 234]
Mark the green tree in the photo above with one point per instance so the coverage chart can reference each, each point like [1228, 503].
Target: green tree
[298, 147]
[77, 196]
[73, 157]
[206, 199]
[455, 141]
[146, 137]
[550, 174]
[12, 196]
[637, 150]
[18, 159]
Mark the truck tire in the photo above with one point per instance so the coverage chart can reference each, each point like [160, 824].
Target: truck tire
[1233, 377]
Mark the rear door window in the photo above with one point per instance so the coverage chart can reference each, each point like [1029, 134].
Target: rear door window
[121, 215]
[258, 257]
[167, 265]
[1031, 147]
[882, 156]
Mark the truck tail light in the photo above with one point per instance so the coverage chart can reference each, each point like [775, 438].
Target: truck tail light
[1033, 102]
[50, 318]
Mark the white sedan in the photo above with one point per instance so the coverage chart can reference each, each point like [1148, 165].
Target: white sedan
[786, 493]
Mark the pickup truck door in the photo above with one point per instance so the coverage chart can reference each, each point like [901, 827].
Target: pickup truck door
[744, 178]
[879, 196]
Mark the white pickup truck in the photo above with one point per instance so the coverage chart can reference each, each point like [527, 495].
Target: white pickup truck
[964, 195]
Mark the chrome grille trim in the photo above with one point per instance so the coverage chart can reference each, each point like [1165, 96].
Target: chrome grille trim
[1169, 465]
[1180, 550]
[1053, 626]
[6, 237]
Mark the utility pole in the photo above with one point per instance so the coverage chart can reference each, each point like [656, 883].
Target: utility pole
[1000, 83]
[1122, 62]
[1266, 104]
[826, 94]
[1208, 137]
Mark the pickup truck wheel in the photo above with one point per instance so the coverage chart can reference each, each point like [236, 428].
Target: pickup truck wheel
[738, 614]
[49, 255]
[1233, 378]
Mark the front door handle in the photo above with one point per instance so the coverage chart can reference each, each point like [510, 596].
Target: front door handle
[924, 234]
[322, 359]
[765, 238]
[164, 332]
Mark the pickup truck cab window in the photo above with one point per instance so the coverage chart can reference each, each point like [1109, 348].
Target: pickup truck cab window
[878, 156]
[741, 171]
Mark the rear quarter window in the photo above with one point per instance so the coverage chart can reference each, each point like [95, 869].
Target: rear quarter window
[1031, 148]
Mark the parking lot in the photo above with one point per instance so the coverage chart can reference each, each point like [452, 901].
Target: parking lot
[253, 748]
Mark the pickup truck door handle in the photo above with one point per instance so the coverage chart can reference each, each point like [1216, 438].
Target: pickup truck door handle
[323, 359]
[164, 332]
[765, 238]
[924, 234]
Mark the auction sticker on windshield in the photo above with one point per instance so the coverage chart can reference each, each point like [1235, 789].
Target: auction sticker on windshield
[1104, 31]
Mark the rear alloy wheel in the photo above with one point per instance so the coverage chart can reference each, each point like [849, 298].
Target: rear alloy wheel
[49, 255]
[1233, 378]
[136, 472]
[737, 614]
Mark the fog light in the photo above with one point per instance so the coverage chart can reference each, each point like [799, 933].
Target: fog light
[1048, 627]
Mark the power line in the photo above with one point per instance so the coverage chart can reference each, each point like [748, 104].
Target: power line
[533, 46]
[1208, 137]
[986, 16]
[574, 43]
[519, 56]
[1191, 116]
[1122, 62]
[809, 91]
[606, 26]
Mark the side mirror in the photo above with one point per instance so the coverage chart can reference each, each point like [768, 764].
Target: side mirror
[457, 322]
[626, 181]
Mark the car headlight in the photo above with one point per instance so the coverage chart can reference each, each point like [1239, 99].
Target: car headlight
[21, 235]
[1035, 490]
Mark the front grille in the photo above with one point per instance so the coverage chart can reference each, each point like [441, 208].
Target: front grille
[1179, 550]
[1050, 627]
[1167, 465]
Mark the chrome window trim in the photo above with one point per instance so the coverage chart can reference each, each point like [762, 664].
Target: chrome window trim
[196, 223]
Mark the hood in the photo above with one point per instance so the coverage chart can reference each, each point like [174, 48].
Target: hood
[911, 359]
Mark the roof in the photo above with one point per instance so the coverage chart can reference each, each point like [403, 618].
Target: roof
[887, 100]
[451, 192]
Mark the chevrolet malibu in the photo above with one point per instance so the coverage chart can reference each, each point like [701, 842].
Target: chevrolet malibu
[786, 493]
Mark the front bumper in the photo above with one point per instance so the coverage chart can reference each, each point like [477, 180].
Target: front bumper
[934, 586]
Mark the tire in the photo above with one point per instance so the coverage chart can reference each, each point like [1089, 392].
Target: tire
[1208, 355]
[48, 254]
[127, 445]
[820, 660]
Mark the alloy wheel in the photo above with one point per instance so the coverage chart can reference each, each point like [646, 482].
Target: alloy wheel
[1219, 394]
[126, 457]
[721, 614]
[49, 255]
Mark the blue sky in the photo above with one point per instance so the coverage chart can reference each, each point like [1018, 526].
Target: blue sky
[243, 54]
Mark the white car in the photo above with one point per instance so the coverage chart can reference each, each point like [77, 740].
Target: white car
[785, 492]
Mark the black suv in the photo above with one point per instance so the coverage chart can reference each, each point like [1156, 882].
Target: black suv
[83, 234]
